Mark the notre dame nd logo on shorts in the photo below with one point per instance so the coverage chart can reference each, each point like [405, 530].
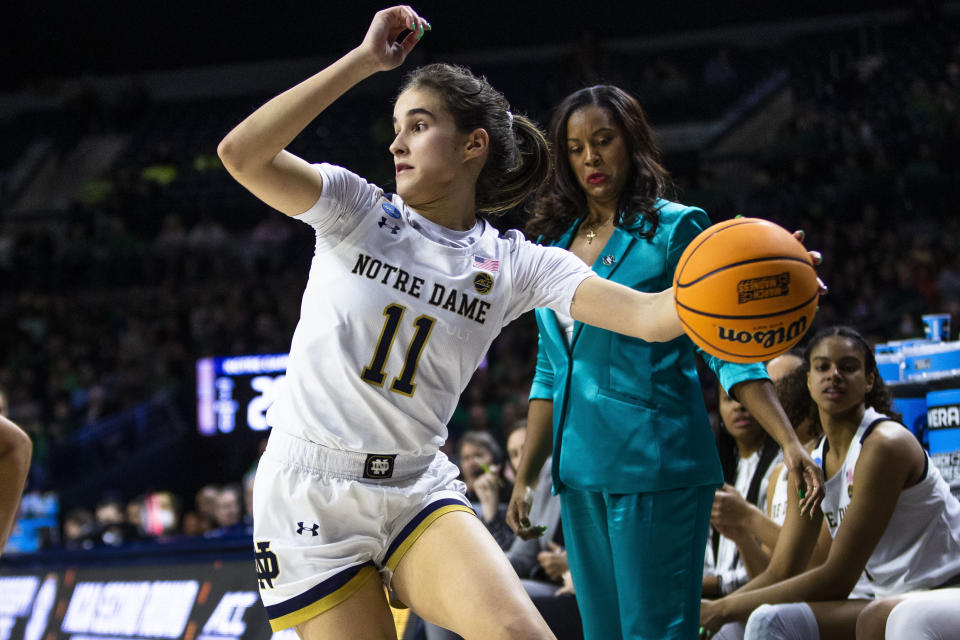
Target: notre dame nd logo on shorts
[267, 567]
[378, 466]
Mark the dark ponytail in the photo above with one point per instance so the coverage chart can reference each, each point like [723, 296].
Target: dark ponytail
[519, 158]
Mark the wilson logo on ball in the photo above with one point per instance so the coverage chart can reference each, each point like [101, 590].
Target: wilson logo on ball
[763, 288]
[768, 338]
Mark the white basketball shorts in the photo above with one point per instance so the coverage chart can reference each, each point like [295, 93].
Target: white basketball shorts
[326, 521]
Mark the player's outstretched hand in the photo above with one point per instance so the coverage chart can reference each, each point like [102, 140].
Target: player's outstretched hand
[381, 44]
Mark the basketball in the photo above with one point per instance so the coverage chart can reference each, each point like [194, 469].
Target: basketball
[745, 290]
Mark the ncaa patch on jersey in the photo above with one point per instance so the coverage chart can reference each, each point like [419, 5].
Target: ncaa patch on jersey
[483, 282]
[390, 210]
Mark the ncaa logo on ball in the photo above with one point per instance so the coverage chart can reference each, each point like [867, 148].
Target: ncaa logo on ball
[765, 337]
[763, 288]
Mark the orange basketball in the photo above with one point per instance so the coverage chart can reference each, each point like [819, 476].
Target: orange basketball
[745, 290]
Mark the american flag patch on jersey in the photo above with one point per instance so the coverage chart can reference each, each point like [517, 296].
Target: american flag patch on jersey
[479, 262]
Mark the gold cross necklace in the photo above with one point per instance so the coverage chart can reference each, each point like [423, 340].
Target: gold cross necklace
[592, 231]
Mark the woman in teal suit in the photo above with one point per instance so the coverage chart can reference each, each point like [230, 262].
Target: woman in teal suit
[634, 459]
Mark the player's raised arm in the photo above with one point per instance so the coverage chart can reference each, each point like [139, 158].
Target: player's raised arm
[254, 151]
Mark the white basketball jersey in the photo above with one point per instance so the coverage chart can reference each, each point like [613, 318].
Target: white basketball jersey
[397, 315]
[778, 504]
[863, 590]
[920, 547]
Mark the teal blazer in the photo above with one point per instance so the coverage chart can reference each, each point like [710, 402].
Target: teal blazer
[628, 415]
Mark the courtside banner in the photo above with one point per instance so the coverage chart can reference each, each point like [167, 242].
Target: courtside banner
[214, 600]
[203, 601]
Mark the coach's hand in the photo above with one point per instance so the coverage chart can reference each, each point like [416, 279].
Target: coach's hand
[518, 513]
[815, 257]
[810, 488]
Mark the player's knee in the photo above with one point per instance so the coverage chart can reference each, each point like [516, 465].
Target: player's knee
[793, 621]
[872, 620]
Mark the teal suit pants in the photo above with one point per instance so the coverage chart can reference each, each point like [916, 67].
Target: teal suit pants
[637, 561]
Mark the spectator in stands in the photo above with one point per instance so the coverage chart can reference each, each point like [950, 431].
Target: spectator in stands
[205, 502]
[636, 444]
[15, 452]
[515, 439]
[228, 513]
[192, 525]
[887, 507]
[161, 514]
[134, 514]
[481, 466]
[112, 526]
[541, 562]
[79, 529]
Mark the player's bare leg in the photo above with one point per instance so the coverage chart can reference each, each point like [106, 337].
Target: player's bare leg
[365, 614]
[837, 620]
[456, 576]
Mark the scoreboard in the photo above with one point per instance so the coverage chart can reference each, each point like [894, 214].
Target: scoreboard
[233, 393]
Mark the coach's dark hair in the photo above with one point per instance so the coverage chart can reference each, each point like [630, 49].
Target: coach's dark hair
[518, 160]
[561, 200]
[879, 397]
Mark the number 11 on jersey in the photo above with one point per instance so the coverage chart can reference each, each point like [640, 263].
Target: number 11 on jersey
[374, 372]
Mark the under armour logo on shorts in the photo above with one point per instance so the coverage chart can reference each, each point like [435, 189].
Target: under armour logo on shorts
[302, 529]
[378, 466]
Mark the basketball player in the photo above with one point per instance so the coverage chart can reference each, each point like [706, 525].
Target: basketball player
[16, 450]
[887, 508]
[405, 294]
